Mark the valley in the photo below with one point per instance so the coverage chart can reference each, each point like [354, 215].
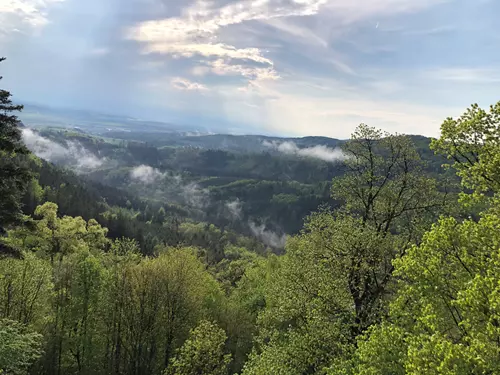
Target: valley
[258, 186]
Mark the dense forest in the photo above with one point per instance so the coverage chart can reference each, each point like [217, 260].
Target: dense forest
[254, 185]
[374, 260]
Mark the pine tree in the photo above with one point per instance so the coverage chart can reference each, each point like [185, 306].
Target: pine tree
[13, 173]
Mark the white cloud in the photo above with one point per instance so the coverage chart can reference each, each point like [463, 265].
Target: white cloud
[170, 185]
[145, 174]
[195, 196]
[209, 50]
[331, 108]
[74, 155]
[316, 152]
[297, 31]
[185, 84]
[275, 44]
[269, 237]
[195, 33]
[235, 209]
[16, 15]
[200, 70]
[222, 68]
[202, 21]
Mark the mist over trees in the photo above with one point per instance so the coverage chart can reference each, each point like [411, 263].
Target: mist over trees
[398, 272]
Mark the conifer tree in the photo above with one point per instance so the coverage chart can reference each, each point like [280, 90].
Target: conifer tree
[13, 173]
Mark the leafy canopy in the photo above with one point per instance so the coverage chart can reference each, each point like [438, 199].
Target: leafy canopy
[445, 318]
[202, 352]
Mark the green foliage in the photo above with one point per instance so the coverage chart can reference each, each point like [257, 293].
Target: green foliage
[57, 237]
[233, 267]
[155, 303]
[13, 172]
[245, 302]
[310, 313]
[337, 276]
[197, 183]
[26, 289]
[202, 352]
[445, 317]
[385, 184]
[19, 347]
[112, 284]
[471, 144]
[101, 307]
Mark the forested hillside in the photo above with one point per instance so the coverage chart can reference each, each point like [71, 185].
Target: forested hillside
[262, 187]
[172, 259]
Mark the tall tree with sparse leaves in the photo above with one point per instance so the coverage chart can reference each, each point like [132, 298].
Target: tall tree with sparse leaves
[445, 317]
[337, 275]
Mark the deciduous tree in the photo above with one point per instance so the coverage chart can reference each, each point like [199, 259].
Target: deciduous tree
[202, 352]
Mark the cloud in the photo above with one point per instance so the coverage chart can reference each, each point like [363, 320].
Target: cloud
[189, 193]
[195, 33]
[222, 67]
[195, 196]
[228, 39]
[185, 84]
[170, 185]
[16, 15]
[317, 152]
[268, 49]
[235, 209]
[297, 31]
[210, 50]
[203, 20]
[145, 174]
[464, 75]
[200, 70]
[74, 155]
[269, 237]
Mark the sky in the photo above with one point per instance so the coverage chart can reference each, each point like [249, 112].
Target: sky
[291, 67]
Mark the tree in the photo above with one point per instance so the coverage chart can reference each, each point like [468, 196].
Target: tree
[309, 319]
[445, 317]
[68, 248]
[154, 303]
[13, 173]
[202, 352]
[26, 290]
[471, 143]
[337, 275]
[83, 339]
[232, 268]
[19, 347]
[56, 237]
[384, 184]
[386, 189]
[245, 302]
